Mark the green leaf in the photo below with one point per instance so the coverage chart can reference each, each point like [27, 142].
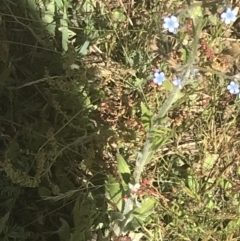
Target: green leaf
[190, 193]
[84, 48]
[59, 4]
[167, 85]
[144, 109]
[211, 204]
[184, 55]
[114, 193]
[64, 230]
[210, 160]
[123, 169]
[48, 19]
[138, 82]
[224, 184]
[118, 15]
[44, 192]
[87, 7]
[64, 24]
[158, 141]
[146, 116]
[134, 224]
[195, 12]
[160, 137]
[193, 184]
[178, 95]
[116, 216]
[146, 209]
[128, 206]
[232, 226]
[213, 20]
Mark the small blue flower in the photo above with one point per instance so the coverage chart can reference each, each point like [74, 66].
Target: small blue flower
[171, 24]
[177, 82]
[229, 16]
[233, 87]
[159, 77]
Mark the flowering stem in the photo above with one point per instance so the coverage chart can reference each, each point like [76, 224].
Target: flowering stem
[145, 156]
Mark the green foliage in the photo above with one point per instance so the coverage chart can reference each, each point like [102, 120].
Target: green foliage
[76, 107]
[123, 169]
[125, 213]
[114, 192]
[146, 116]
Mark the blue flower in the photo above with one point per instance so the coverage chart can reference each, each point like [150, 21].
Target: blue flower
[233, 87]
[159, 77]
[229, 16]
[171, 24]
[177, 82]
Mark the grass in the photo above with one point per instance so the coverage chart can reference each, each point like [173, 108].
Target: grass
[79, 109]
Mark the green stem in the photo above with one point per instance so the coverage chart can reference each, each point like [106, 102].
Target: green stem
[145, 156]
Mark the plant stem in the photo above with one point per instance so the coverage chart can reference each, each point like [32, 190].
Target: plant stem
[145, 156]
